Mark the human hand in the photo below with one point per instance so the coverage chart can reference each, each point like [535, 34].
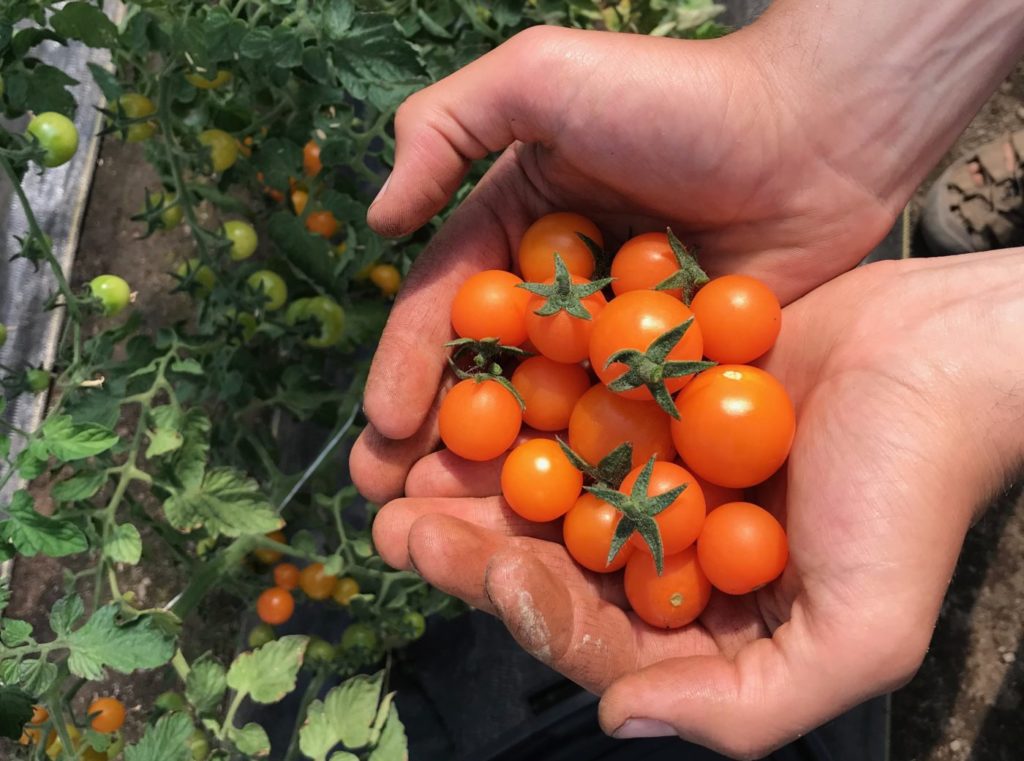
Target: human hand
[905, 378]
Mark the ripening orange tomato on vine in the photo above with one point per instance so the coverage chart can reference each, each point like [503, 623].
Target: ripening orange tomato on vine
[642, 263]
[561, 336]
[489, 305]
[680, 523]
[286, 576]
[673, 599]
[739, 317]
[107, 714]
[316, 583]
[479, 420]
[602, 420]
[550, 390]
[538, 481]
[742, 547]
[311, 159]
[588, 530]
[553, 233]
[275, 606]
[322, 223]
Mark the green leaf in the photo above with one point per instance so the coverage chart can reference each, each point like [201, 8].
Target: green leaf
[106, 81]
[14, 632]
[41, 88]
[187, 366]
[15, 711]
[227, 503]
[80, 20]
[167, 740]
[33, 676]
[205, 685]
[69, 442]
[28, 465]
[81, 486]
[102, 643]
[124, 545]
[337, 17]
[256, 44]
[393, 745]
[345, 715]
[189, 462]
[344, 755]
[34, 534]
[268, 673]
[65, 614]
[166, 436]
[251, 739]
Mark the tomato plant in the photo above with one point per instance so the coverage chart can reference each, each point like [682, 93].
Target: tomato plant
[387, 278]
[56, 135]
[316, 583]
[539, 482]
[222, 150]
[107, 714]
[311, 163]
[112, 291]
[272, 286]
[742, 547]
[323, 312]
[287, 576]
[243, 239]
[275, 606]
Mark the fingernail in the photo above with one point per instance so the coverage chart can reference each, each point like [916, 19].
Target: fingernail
[382, 191]
[643, 728]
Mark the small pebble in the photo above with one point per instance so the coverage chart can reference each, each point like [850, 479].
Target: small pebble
[1006, 86]
[1009, 657]
[956, 745]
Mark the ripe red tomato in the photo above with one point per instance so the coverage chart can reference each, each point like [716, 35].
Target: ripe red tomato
[286, 575]
[488, 305]
[322, 223]
[479, 420]
[602, 420]
[561, 336]
[736, 425]
[674, 599]
[642, 263]
[680, 522]
[275, 606]
[740, 318]
[311, 159]
[557, 233]
[317, 584]
[550, 390]
[107, 714]
[742, 547]
[539, 482]
[633, 321]
[588, 530]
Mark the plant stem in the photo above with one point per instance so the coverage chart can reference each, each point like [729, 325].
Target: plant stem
[229, 720]
[312, 690]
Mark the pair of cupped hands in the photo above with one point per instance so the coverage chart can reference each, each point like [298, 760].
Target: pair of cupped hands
[904, 376]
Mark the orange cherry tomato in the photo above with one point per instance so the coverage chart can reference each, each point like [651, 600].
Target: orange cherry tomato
[539, 482]
[317, 584]
[311, 159]
[479, 420]
[286, 576]
[346, 589]
[679, 524]
[107, 714]
[674, 599]
[266, 555]
[300, 198]
[557, 233]
[739, 317]
[633, 321]
[273, 193]
[550, 390]
[588, 530]
[642, 263]
[322, 223]
[31, 734]
[387, 278]
[742, 547]
[736, 425]
[561, 336]
[489, 305]
[602, 420]
[275, 606]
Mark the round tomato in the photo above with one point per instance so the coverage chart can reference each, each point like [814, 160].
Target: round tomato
[275, 606]
[414, 625]
[200, 80]
[602, 420]
[198, 745]
[315, 583]
[489, 305]
[55, 745]
[172, 213]
[739, 317]
[550, 390]
[267, 555]
[322, 223]
[557, 233]
[387, 278]
[539, 482]
[479, 420]
[261, 635]
[57, 136]
[673, 599]
[736, 425]
[311, 159]
[323, 310]
[31, 733]
[223, 150]
[286, 576]
[345, 590]
[137, 106]
[272, 286]
[300, 198]
[37, 380]
[561, 336]
[243, 239]
[679, 524]
[588, 530]
[642, 263]
[202, 276]
[107, 714]
[742, 547]
[633, 321]
[112, 291]
[318, 651]
[359, 637]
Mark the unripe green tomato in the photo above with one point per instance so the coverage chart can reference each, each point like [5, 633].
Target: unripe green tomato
[37, 380]
[243, 239]
[198, 745]
[359, 637]
[221, 78]
[171, 701]
[172, 214]
[57, 135]
[414, 624]
[112, 291]
[326, 312]
[272, 286]
[116, 747]
[202, 276]
[319, 652]
[223, 148]
[261, 635]
[137, 106]
[3, 334]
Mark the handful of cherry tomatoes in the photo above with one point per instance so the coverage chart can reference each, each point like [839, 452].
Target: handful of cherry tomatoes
[648, 420]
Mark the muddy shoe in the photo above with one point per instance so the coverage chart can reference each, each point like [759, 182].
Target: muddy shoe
[977, 203]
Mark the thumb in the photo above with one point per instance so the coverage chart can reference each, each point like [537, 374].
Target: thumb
[507, 95]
